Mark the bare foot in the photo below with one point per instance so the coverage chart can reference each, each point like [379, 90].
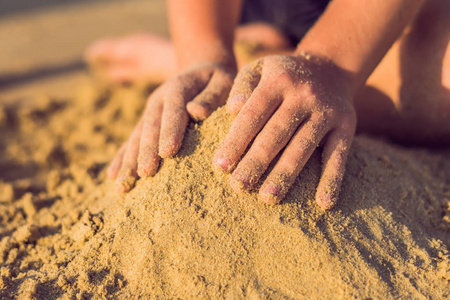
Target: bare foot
[138, 57]
[151, 58]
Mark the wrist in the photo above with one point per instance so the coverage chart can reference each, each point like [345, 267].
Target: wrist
[206, 52]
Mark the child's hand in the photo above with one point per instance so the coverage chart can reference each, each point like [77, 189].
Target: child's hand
[196, 93]
[295, 103]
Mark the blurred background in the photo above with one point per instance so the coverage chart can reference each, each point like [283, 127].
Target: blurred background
[42, 41]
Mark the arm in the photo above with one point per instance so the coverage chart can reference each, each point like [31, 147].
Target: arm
[355, 35]
[295, 102]
[202, 32]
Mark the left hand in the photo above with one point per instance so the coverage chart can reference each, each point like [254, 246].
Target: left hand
[194, 93]
[288, 103]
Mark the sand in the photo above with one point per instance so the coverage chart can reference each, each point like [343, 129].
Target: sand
[65, 233]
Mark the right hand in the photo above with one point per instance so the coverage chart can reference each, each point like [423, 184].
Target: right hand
[196, 92]
[288, 104]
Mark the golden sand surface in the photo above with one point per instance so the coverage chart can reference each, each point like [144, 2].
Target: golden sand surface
[184, 233]
[66, 234]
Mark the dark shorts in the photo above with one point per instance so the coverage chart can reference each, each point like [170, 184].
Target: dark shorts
[293, 17]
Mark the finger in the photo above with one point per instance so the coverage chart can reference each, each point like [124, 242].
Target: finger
[148, 161]
[245, 127]
[174, 116]
[115, 164]
[273, 137]
[244, 84]
[334, 159]
[292, 161]
[127, 175]
[213, 96]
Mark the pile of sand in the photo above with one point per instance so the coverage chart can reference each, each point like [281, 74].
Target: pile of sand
[185, 234]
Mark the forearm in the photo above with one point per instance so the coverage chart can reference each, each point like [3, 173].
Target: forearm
[203, 31]
[355, 35]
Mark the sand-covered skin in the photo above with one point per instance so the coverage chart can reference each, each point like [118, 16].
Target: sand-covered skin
[185, 234]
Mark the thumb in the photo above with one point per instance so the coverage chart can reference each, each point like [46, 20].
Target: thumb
[213, 96]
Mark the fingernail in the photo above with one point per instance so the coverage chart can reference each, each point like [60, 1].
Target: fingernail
[147, 165]
[325, 201]
[167, 150]
[271, 189]
[223, 163]
[270, 194]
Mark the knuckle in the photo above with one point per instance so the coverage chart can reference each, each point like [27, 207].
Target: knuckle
[321, 121]
[263, 152]
[208, 97]
[248, 68]
[182, 84]
[251, 114]
[278, 133]
[277, 129]
[176, 111]
[284, 78]
[324, 115]
[307, 142]
[224, 77]
[151, 124]
[308, 91]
